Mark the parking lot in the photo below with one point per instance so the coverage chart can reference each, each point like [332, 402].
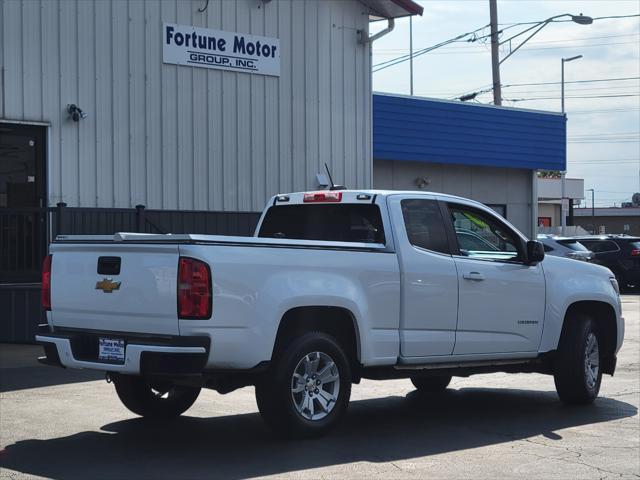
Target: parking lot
[57, 423]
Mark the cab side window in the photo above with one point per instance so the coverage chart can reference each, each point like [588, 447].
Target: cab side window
[481, 236]
[424, 224]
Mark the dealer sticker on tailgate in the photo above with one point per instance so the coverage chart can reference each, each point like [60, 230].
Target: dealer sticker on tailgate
[111, 349]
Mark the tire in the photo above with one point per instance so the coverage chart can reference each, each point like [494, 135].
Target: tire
[431, 384]
[161, 400]
[577, 372]
[287, 399]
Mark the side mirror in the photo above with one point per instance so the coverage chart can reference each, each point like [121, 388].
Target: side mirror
[535, 252]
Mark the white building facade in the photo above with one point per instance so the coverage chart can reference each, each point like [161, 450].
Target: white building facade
[169, 116]
[185, 136]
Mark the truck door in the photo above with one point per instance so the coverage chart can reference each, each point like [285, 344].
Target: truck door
[429, 282]
[501, 299]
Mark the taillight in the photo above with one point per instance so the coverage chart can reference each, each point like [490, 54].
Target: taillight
[635, 252]
[331, 197]
[194, 289]
[46, 283]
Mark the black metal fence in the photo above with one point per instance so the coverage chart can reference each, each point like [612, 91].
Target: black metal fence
[107, 221]
[23, 243]
[26, 232]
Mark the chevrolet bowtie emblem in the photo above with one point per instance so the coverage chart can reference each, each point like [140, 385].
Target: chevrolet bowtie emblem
[107, 285]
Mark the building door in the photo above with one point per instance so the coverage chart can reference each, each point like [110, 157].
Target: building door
[22, 198]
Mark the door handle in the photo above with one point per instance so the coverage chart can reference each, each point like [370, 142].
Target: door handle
[477, 276]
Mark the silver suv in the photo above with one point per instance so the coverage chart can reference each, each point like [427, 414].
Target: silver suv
[566, 247]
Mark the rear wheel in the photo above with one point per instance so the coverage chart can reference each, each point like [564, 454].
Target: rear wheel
[431, 384]
[577, 372]
[151, 399]
[307, 390]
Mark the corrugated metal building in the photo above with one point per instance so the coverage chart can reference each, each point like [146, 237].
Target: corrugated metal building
[178, 137]
[198, 110]
[615, 220]
[483, 152]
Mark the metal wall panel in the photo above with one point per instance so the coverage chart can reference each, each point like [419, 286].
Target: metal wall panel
[428, 130]
[178, 137]
[510, 187]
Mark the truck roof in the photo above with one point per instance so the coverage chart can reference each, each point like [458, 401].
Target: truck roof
[352, 196]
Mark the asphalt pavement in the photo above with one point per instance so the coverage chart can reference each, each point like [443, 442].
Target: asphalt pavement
[65, 424]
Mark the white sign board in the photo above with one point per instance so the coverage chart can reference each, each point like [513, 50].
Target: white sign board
[202, 47]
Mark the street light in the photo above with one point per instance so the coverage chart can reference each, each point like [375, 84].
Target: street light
[563, 175]
[495, 44]
[579, 19]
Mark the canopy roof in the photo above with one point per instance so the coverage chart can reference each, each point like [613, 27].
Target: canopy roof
[380, 9]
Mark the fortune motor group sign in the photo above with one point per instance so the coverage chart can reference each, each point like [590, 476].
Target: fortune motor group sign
[202, 47]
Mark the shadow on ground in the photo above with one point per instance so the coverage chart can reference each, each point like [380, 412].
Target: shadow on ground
[19, 370]
[240, 446]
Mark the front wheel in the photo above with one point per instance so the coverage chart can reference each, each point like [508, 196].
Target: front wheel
[577, 372]
[307, 389]
[159, 399]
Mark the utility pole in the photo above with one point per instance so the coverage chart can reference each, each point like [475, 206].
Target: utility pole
[411, 55]
[495, 52]
[563, 180]
[593, 209]
[564, 205]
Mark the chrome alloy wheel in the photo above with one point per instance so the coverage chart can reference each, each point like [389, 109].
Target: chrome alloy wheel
[591, 361]
[315, 386]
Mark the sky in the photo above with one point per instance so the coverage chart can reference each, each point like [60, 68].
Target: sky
[603, 130]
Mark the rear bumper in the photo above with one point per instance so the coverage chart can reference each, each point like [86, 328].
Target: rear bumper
[143, 355]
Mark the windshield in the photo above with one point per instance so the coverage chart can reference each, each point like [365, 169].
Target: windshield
[338, 223]
[573, 245]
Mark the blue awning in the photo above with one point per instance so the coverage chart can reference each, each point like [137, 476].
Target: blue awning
[441, 131]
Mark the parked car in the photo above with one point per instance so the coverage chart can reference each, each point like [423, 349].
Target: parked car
[619, 253]
[565, 247]
[335, 286]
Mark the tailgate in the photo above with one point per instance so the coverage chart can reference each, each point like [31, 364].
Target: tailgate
[115, 287]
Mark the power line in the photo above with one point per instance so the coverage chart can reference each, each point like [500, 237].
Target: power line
[540, 22]
[612, 110]
[570, 96]
[595, 80]
[404, 58]
[579, 39]
[378, 51]
[633, 132]
[510, 25]
[603, 141]
[629, 159]
[472, 51]
[603, 163]
[618, 79]
[627, 89]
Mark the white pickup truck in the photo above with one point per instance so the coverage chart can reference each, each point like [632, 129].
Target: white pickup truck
[335, 286]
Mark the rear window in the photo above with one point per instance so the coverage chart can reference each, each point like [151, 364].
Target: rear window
[573, 245]
[338, 223]
[601, 246]
[424, 224]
